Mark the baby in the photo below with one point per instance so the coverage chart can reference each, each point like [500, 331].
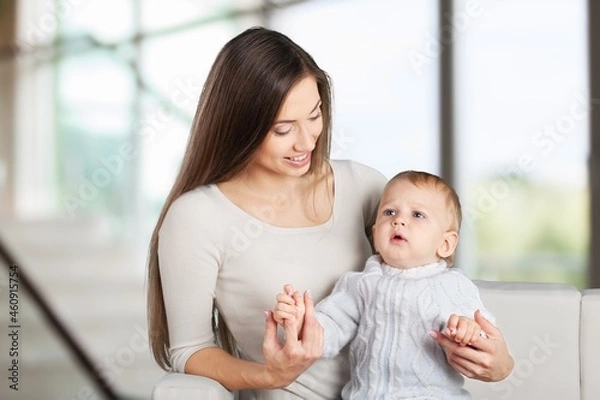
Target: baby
[405, 292]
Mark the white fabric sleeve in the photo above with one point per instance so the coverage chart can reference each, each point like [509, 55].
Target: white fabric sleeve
[189, 262]
[464, 297]
[339, 314]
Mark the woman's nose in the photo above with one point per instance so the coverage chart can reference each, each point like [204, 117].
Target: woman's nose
[304, 141]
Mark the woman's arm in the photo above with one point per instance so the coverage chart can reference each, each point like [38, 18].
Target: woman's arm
[487, 360]
[283, 363]
[191, 245]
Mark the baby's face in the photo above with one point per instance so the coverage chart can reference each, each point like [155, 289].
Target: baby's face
[412, 225]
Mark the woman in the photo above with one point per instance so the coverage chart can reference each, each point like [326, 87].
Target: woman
[258, 203]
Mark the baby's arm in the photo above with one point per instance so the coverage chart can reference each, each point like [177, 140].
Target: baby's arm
[290, 307]
[464, 330]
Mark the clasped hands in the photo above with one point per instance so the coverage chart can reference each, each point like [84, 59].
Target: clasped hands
[291, 309]
[284, 362]
[484, 357]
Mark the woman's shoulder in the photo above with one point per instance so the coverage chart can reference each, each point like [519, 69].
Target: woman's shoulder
[356, 178]
[200, 205]
[191, 201]
[357, 170]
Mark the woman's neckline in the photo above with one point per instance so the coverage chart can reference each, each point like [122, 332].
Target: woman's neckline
[240, 211]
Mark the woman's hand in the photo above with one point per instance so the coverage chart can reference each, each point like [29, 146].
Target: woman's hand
[284, 363]
[462, 330]
[486, 360]
[289, 307]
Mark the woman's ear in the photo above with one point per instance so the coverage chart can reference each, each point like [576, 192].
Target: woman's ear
[448, 244]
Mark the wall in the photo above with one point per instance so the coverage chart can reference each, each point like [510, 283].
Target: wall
[7, 109]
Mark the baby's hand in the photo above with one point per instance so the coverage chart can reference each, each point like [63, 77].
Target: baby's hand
[290, 308]
[464, 330]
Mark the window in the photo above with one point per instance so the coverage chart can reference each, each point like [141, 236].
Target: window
[522, 139]
[385, 106]
[115, 141]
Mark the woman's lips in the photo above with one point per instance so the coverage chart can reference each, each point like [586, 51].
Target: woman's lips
[300, 160]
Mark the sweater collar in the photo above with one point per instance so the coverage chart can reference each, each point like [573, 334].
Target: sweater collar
[417, 272]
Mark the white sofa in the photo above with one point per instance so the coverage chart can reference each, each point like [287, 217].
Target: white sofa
[553, 332]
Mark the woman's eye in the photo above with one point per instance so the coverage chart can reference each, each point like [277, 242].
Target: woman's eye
[315, 117]
[418, 214]
[389, 212]
[282, 131]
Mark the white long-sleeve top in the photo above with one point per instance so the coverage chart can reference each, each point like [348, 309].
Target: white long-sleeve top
[210, 250]
[387, 314]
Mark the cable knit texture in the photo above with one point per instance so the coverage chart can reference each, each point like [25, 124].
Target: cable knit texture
[387, 313]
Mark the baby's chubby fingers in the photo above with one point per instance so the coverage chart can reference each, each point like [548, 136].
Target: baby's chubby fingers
[299, 302]
[464, 333]
[288, 289]
[283, 298]
[467, 331]
[285, 308]
[279, 316]
[286, 304]
[451, 326]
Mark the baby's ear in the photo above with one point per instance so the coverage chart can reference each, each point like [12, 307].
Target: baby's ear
[448, 244]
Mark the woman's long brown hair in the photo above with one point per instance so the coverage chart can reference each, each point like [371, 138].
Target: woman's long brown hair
[241, 97]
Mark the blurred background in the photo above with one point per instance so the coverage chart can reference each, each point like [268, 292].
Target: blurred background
[96, 102]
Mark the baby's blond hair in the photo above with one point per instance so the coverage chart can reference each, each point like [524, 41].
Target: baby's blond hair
[421, 178]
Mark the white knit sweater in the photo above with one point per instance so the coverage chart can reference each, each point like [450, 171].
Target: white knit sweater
[387, 314]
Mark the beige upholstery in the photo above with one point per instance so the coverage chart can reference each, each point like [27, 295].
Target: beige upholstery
[175, 386]
[590, 345]
[541, 323]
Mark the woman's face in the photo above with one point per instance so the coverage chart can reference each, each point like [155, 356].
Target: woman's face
[287, 148]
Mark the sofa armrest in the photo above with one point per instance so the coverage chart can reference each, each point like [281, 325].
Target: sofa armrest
[540, 322]
[177, 386]
[590, 348]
